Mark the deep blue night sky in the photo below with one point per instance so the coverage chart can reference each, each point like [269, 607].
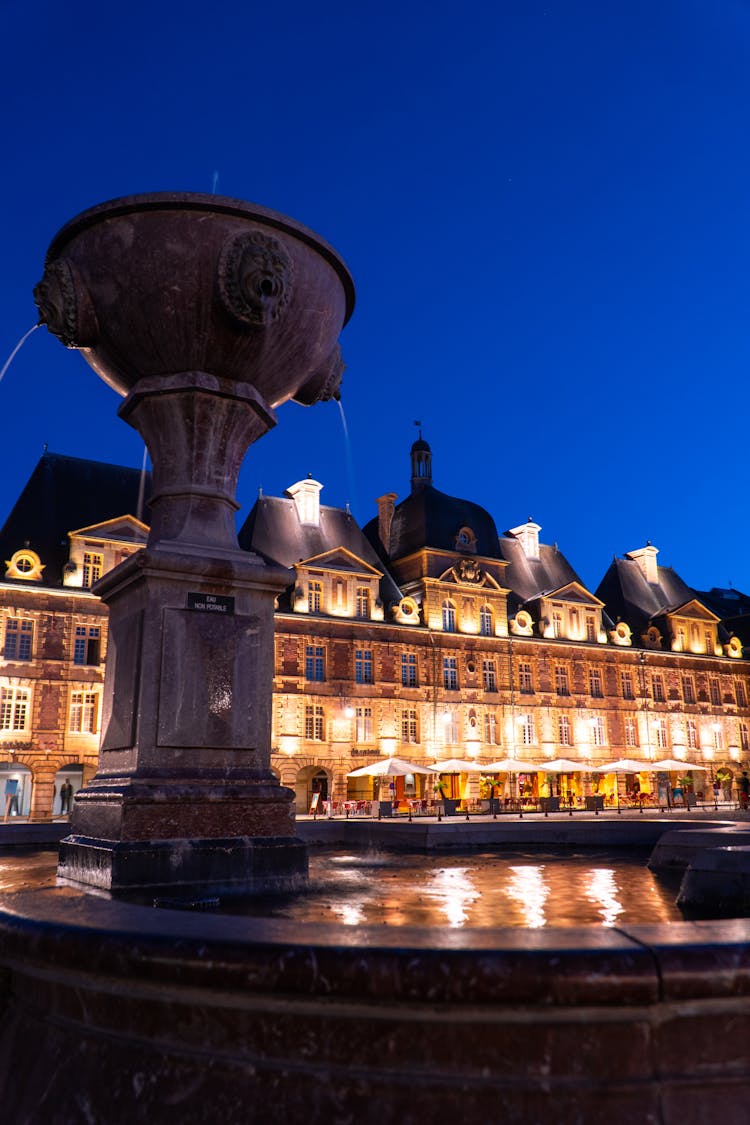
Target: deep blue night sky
[544, 205]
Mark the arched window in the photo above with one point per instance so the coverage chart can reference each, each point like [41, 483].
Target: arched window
[449, 617]
[486, 622]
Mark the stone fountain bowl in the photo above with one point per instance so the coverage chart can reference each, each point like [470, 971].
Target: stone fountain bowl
[172, 282]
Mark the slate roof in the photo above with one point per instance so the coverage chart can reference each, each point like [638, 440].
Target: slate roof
[627, 594]
[532, 578]
[273, 530]
[62, 494]
[430, 518]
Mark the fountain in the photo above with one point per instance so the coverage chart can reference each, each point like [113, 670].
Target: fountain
[208, 313]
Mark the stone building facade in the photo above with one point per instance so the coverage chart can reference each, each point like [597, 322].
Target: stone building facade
[426, 635]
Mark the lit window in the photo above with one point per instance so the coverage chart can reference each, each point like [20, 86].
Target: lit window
[598, 731]
[449, 617]
[590, 628]
[661, 733]
[450, 728]
[314, 596]
[86, 644]
[84, 712]
[92, 568]
[562, 684]
[718, 739]
[486, 622]
[19, 635]
[557, 624]
[631, 731]
[626, 685]
[709, 642]
[409, 725]
[363, 724]
[450, 673]
[744, 737]
[489, 675]
[692, 734]
[14, 709]
[525, 679]
[315, 668]
[314, 722]
[363, 601]
[657, 688]
[688, 689]
[408, 669]
[526, 728]
[563, 730]
[363, 666]
[595, 683]
[491, 728]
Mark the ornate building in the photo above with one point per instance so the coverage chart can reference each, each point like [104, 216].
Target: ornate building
[425, 635]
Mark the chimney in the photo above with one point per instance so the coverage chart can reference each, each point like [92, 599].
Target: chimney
[306, 497]
[386, 507]
[646, 559]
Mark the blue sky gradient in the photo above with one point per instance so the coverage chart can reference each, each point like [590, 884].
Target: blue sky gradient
[544, 205]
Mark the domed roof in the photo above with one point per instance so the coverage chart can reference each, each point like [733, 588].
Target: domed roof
[430, 518]
[420, 446]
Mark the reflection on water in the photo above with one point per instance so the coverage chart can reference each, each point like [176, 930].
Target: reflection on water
[474, 890]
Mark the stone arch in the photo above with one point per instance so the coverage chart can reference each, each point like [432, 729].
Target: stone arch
[312, 778]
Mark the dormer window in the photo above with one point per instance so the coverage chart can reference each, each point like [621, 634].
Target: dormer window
[93, 565]
[24, 564]
[466, 540]
[528, 536]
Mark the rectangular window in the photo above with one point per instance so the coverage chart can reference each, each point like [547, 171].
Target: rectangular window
[486, 622]
[715, 692]
[409, 731]
[19, 634]
[449, 617]
[718, 739]
[491, 728]
[661, 733]
[709, 637]
[84, 712]
[86, 644]
[563, 731]
[489, 675]
[631, 731]
[314, 596]
[557, 623]
[525, 679]
[363, 724]
[688, 689]
[408, 669]
[14, 709]
[450, 728]
[363, 666]
[562, 683]
[598, 731]
[740, 694]
[590, 628]
[657, 688]
[314, 722]
[363, 601]
[692, 734]
[626, 685]
[595, 683]
[744, 737]
[92, 568]
[315, 667]
[450, 673]
[526, 728]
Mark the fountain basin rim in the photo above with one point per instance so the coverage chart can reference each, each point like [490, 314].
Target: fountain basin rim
[219, 204]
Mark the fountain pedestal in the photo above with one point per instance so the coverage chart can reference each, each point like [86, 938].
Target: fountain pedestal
[208, 313]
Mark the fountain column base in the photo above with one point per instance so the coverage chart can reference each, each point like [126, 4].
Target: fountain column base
[184, 797]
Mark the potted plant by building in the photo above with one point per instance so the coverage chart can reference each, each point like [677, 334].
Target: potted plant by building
[685, 783]
[486, 787]
[724, 778]
[441, 789]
